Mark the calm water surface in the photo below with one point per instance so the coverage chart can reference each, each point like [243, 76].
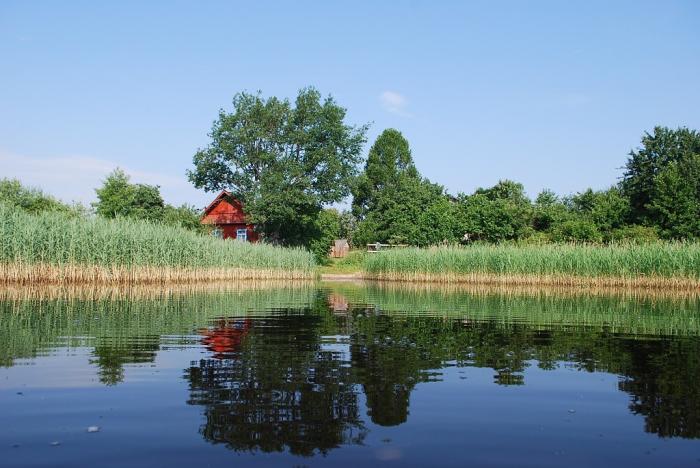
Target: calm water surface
[346, 375]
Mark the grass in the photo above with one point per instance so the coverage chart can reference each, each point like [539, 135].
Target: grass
[55, 247]
[350, 265]
[648, 265]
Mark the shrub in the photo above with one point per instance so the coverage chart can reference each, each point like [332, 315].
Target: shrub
[635, 234]
[577, 231]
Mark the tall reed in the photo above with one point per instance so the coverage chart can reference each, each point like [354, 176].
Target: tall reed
[649, 265]
[55, 247]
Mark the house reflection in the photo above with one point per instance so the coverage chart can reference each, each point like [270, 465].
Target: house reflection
[225, 336]
[280, 391]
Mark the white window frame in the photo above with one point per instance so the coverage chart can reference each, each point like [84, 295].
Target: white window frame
[242, 234]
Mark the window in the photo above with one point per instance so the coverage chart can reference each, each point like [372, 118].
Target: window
[217, 232]
[242, 235]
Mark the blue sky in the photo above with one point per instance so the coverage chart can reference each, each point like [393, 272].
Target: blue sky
[553, 94]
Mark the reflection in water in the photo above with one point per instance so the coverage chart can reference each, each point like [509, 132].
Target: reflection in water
[112, 355]
[280, 390]
[663, 378]
[224, 337]
[309, 370]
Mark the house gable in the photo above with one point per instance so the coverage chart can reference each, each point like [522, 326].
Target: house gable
[226, 213]
[224, 210]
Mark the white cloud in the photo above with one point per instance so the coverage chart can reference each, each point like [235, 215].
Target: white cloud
[395, 103]
[74, 178]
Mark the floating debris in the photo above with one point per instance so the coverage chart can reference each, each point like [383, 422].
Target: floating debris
[55, 443]
[93, 429]
[572, 411]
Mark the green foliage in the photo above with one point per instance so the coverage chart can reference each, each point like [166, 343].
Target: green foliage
[676, 202]
[496, 214]
[412, 210]
[389, 160]
[578, 230]
[119, 198]
[328, 229]
[348, 226]
[437, 224]
[284, 161]
[635, 234]
[672, 153]
[13, 193]
[56, 238]
[548, 211]
[394, 203]
[352, 263]
[626, 260]
[607, 209]
[184, 216]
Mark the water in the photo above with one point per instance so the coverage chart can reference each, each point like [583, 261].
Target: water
[345, 375]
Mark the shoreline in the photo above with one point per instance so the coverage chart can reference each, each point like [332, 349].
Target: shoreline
[18, 274]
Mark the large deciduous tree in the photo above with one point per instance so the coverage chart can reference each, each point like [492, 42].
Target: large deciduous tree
[284, 161]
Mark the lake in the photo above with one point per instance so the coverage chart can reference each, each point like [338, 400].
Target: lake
[348, 375]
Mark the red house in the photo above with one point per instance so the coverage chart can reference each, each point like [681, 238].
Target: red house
[226, 213]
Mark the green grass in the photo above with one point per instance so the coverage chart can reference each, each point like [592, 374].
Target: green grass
[650, 261]
[347, 265]
[57, 239]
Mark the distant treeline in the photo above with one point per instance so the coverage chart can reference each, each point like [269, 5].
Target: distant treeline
[657, 198]
[286, 161]
[116, 198]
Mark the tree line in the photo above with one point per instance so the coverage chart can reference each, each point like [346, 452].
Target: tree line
[287, 161]
[118, 197]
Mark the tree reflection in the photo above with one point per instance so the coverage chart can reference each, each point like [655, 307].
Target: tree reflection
[112, 355]
[388, 368]
[272, 384]
[275, 383]
[280, 390]
[663, 378]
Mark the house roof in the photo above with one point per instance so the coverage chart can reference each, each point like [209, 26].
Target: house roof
[222, 195]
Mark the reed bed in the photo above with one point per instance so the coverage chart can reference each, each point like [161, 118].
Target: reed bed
[56, 248]
[657, 265]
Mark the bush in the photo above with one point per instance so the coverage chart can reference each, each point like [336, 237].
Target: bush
[184, 216]
[328, 229]
[635, 234]
[13, 193]
[577, 231]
